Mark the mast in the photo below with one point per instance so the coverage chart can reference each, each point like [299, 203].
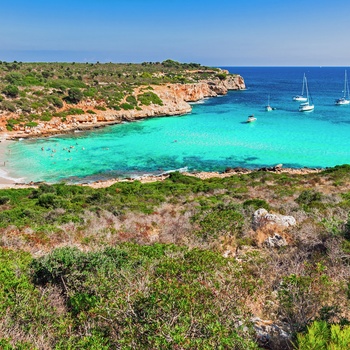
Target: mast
[307, 90]
[302, 89]
[345, 85]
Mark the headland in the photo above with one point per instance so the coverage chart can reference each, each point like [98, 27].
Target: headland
[47, 99]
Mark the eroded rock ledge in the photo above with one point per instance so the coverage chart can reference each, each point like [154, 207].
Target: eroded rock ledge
[175, 98]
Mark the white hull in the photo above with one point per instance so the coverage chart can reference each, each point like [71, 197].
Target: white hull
[342, 102]
[251, 119]
[268, 108]
[300, 98]
[306, 107]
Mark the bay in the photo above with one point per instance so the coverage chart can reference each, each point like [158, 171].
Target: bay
[214, 136]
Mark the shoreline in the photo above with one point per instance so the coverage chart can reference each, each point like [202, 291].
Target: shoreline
[5, 180]
[10, 183]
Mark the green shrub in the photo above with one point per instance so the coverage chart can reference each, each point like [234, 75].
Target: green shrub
[11, 91]
[219, 221]
[256, 204]
[90, 92]
[74, 95]
[149, 97]
[56, 101]
[75, 111]
[8, 106]
[221, 76]
[49, 200]
[31, 124]
[322, 336]
[46, 117]
[63, 84]
[126, 106]
[31, 80]
[309, 199]
[14, 78]
[4, 200]
[131, 100]
[69, 268]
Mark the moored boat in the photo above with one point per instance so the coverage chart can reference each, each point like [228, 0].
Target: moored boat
[308, 105]
[345, 100]
[301, 98]
[251, 119]
[268, 108]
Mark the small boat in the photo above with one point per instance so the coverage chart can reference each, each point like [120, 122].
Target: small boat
[301, 98]
[268, 108]
[308, 105]
[251, 119]
[345, 100]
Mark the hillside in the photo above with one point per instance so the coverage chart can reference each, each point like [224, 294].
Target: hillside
[50, 98]
[242, 262]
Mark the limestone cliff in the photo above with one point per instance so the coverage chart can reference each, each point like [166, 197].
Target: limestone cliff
[175, 98]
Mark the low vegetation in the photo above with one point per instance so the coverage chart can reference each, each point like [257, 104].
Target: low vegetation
[176, 264]
[38, 91]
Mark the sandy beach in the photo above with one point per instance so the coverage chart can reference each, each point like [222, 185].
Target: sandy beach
[5, 180]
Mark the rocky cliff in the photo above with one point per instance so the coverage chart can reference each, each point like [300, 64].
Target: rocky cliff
[175, 98]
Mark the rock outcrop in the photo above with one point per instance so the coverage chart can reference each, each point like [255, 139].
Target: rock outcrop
[269, 228]
[262, 217]
[270, 335]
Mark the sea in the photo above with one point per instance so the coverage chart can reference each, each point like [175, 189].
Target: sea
[213, 137]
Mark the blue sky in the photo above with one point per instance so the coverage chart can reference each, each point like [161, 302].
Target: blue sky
[221, 32]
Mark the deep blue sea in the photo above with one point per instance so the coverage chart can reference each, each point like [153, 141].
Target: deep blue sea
[214, 136]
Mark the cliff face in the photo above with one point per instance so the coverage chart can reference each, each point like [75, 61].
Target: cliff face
[175, 98]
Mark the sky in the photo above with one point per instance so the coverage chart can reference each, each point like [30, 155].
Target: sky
[214, 33]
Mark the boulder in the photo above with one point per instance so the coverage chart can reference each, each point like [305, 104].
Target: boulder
[271, 335]
[276, 241]
[262, 217]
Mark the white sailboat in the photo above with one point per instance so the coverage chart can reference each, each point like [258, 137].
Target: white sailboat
[301, 98]
[345, 100]
[308, 105]
[268, 108]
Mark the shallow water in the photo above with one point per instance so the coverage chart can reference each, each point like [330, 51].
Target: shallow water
[214, 136]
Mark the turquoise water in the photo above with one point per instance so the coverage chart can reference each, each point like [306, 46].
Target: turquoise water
[214, 136]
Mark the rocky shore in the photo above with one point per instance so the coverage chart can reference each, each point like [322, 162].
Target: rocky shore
[161, 177]
[175, 101]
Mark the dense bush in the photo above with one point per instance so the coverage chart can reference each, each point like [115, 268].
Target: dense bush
[149, 97]
[322, 336]
[74, 95]
[153, 295]
[11, 91]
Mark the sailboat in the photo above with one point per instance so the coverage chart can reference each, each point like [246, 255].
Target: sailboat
[345, 100]
[308, 105]
[301, 98]
[268, 108]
